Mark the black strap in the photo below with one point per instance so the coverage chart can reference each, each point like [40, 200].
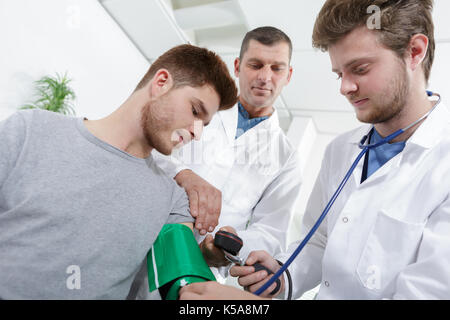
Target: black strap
[366, 165]
[288, 275]
[366, 161]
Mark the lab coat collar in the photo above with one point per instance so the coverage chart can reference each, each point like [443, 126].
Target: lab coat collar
[426, 136]
[230, 118]
[430, 132]
[359, 133]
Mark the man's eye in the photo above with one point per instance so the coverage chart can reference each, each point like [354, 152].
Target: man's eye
[360, 70]
[194, 112]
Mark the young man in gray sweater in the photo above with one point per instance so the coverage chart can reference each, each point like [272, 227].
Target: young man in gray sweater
[81, 201]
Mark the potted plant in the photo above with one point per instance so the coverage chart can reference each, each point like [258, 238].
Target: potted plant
[53, 94]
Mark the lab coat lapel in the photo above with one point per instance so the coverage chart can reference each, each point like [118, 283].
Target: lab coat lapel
[377, 175]
[381, 172]
[259, 135]
[392, 164]
[273, 122]
[229, 120]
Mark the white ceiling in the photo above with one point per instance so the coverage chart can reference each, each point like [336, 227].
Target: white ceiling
[154, 26]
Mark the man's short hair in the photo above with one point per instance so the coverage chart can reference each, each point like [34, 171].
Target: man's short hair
[268, 36]
[399, 21]
[195, 67]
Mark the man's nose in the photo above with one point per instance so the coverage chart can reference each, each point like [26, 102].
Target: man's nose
[265, 74]
[197, 129]
[348, 86]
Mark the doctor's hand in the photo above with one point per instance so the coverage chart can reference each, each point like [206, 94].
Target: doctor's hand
[252, 280]
[214, 256]
[205, 201]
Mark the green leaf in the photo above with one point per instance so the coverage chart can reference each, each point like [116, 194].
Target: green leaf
[53, 94]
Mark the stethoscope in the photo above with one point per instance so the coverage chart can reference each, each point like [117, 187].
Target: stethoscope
[365, 148]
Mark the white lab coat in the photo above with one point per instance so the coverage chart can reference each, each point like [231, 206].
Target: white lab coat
[389, 237]
[259, 175]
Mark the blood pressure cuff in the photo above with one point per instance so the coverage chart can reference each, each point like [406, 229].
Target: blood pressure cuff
[175, 260]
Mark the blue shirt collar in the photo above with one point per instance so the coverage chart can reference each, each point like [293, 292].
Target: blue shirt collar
[244, 122]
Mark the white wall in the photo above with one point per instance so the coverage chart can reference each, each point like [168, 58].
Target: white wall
[47, 36]
[312, 146]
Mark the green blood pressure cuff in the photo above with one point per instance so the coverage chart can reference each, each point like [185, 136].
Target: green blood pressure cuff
[175, 260]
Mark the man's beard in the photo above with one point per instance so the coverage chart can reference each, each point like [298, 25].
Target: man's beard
[387, 107]
[154, 125]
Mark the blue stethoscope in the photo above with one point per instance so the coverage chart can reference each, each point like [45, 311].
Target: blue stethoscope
[365, 148]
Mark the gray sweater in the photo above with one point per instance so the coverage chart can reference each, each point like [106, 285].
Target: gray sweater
[77, 215]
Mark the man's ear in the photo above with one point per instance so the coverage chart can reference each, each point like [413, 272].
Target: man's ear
[237, 63]
[417, 50]
[290, 74]
[161, 83]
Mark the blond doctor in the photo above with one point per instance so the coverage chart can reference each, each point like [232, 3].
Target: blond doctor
[244, 166]
[388, 234]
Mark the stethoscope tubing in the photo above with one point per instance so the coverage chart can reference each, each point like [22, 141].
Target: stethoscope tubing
[315, 227]
[364, 148]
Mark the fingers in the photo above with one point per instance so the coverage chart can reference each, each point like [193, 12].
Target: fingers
[193, 203]
[206, 245]
[263, 258]
[198, 205]
[215, 207]
[202, 212]
[253, 257]
[229, 229]
[206, 242]
[252, 280]
[255, 280]
[266, 293]
[214, 256]
[241, 271]
[205, 202]
[209, 243]
[248, 270]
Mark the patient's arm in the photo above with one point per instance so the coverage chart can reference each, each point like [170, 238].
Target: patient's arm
[190, 225]
[175, 260]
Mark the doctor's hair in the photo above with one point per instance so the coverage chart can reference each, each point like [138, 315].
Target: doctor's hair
[399, 21]
[268, 36]
[195, 67]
